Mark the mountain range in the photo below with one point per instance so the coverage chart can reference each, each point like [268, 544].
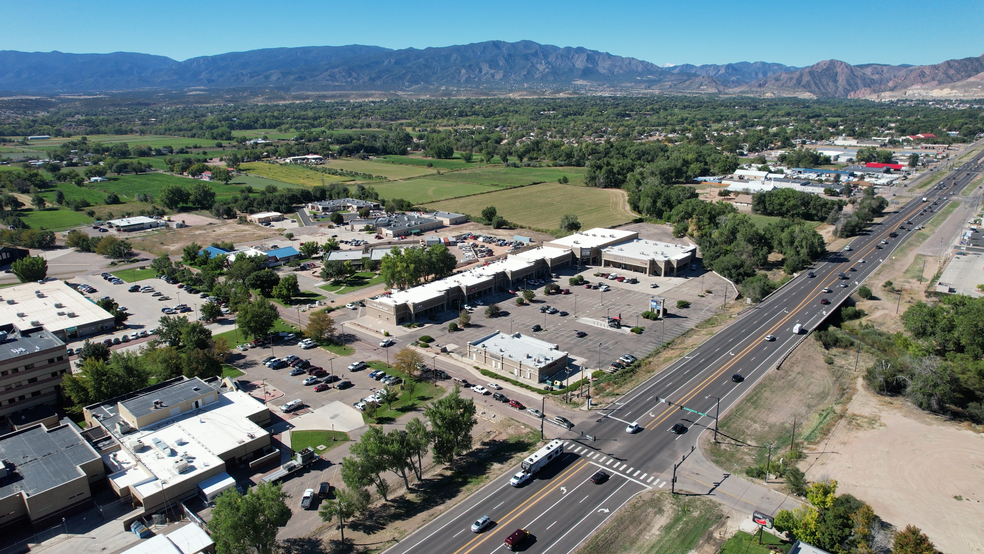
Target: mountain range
[492, 67]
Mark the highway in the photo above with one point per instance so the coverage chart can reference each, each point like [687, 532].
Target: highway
[561, 507]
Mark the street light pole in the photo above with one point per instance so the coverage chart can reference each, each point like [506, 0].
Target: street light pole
[717, 415]
[599, 355]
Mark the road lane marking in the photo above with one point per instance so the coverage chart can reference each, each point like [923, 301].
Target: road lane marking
[551, 525]
[523, 506]
[499, 504]
[458, 533]
[585, 498]
[663, 484]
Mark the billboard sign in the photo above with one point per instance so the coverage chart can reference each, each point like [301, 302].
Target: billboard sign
[761, 519]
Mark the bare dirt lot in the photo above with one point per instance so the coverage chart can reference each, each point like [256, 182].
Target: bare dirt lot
[201, 230]
[911, 467]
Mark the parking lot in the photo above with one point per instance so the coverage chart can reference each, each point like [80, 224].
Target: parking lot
[144, 308]
[588, 311]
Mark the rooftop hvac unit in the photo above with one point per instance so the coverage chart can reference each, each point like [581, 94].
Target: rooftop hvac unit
[61, 313]
[59, 305]
[136, 445]
[21, 314]
[180, 466]
[71, 314]
[123, 427]
[36, 323]
[11, 301]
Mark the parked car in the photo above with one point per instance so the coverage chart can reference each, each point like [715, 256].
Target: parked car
[343, 385]
[516, 404]
[310, 380]
[480, 389]
[321, 387]
[297, 371]
[500, 397]
[356, 366]
[494, 386]
[580, 334]
[534, 412]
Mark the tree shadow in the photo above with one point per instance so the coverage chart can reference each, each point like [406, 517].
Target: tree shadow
[442, 488]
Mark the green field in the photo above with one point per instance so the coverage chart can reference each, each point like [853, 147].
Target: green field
[427, 189]
[134, 275]
[54, 219]
[259, 183]
[155, 141]
[541, 206]
[271, 134]
[388, 170]
[454, 163]
[292, 174]
[515, 176]
[358, 281]
[300, 440]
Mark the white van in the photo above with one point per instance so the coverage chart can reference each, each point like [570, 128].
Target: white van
[797, 328]
[291, 406]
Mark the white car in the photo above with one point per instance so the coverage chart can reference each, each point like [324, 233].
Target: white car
[361, 406]
[494, 386]
[307, 344]
[480, 389]
[386, 343]
[242, 347]
[633, 427]
[350, 306]
[535, 413]
[520, 478]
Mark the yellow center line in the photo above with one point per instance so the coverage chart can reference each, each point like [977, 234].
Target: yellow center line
[809, 298]
[526, 505]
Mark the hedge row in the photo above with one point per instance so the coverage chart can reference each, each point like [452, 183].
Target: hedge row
[499, 377]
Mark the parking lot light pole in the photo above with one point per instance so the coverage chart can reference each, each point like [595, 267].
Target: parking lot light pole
[331, 366]
[575, 305]
[599, 355]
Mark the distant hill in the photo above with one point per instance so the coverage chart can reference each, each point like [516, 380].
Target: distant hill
[485, 67]
[734, 74]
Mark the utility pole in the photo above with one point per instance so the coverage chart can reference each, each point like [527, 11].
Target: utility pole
[543, 416]
[768, 465]
[858, 358]
[792, 438]
[899, 303]
[717, 414]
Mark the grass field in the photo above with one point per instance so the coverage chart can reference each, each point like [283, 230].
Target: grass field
[292, 174]
[271, 134]
[454, 163]
[761, 221]
[320, 441]
[656, 523]
[54, 219]
[514, 176]
[541, 206]
[259, 183]
[424, 391]
[743, 543]
[134, 275]
[233, 335]
[155, 141]
[428, 189]
[357, 282]
[388, 170]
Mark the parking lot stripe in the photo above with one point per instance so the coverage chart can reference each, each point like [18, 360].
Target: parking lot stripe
[610, 460]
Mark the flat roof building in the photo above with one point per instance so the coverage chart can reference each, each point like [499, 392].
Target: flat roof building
[342, 205]
[137, 223]
[401, 225]
[32, 364]
[55, 306]
[47, 474]
[649, 257]
[160, 443]
[587, 245]
[265, 217]
[450, 218]
[518, 356]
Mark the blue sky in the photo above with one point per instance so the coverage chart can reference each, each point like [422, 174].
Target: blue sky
[792, 32]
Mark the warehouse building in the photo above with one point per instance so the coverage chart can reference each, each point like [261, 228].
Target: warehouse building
[587, 245]
[161, 443]
[661, 259]
[47, 474]
[450, 218]
[517, 356]
[341, 205]
[265, 217]
[32, 364]
[57, 307]
[138, 223]
[401, 225]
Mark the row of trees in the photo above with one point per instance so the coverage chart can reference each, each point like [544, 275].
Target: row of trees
[109, 245]
[794, 204]
[866, 209]
[405, 268]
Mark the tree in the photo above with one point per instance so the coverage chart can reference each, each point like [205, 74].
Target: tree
[388, 396]
[913, 160]
[286, 289]
[464, 318]
[249, 523]
[172, 196]
[78, 240]
[489, 213]
[337, 218]
[864, 292]
[93, 350]
[120, 250]
[569, 223]
[452, 419]
[912, 541]
[30, 269]
[309, 249]
[492, 311]
[528, 295]
[38, 202]
[264, 281]
[211, 311]
[163, 265]
[345, 506]
[112, 199]
[221, 174]
[407, 360]
[202, 195]
[59, 197]
[99, 380]
[321, 326]
[289, 236]
[256, 318]
[418, 443]
[498, 222]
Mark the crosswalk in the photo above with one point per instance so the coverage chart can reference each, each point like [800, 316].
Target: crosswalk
[616, 465]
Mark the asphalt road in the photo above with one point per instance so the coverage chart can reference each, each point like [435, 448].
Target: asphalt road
[561, 507]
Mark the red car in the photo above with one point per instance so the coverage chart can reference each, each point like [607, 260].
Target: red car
[587, 285]
[824, 301]
[565, 291]
[620, 278]
[321, 387]
[319, 373]
[516, 404]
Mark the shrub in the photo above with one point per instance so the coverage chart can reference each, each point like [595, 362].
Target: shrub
[682, 304]
[386, 333]
[427, 339]
[576, 280]
[864, 292]
[452, 327]
[637, 330]
[520, 301]
[829, 360]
